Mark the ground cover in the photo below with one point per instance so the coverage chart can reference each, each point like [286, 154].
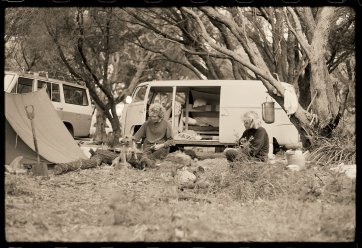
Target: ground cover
[250, 202]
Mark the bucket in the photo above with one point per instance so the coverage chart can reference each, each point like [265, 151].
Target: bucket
[268, 112]
[295, 157]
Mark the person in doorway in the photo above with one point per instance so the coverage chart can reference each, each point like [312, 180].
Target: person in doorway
[156, 136]
[254, 142]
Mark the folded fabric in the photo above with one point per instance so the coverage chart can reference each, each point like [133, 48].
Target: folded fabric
[290, 101]
[191, 121]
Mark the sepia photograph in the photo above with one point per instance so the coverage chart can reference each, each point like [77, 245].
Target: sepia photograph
[180, 124]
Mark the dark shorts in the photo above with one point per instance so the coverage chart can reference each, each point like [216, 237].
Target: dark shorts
[233, 154]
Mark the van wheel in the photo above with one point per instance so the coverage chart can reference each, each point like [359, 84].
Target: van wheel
[176, 148]
[219, 149]
[70, 129]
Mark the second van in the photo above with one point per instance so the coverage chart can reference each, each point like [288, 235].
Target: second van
[71, 101]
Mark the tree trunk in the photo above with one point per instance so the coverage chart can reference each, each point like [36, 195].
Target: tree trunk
[116, 127]
[100, 134]
[304, 88]
[325, 104]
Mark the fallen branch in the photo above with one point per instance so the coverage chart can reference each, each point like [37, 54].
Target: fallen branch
[77, 165]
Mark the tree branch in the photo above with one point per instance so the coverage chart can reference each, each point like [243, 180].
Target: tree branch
[92, 90]
[149, 26]
[84, 58]
[321, 34]
[298, 31]
[272, 84]
[307, 18]
[139, 70]
[168, 58]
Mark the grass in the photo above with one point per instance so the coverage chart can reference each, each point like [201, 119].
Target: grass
[249, 202]
[14, 187]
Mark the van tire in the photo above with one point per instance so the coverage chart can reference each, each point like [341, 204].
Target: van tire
[219, 149]
[135, 129]
[176, 148]
[70, 128]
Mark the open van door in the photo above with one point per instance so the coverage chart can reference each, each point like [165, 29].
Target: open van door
[138, 108]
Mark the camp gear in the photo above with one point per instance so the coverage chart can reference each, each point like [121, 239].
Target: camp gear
[268, 111]
[40, 169]
[295, 157]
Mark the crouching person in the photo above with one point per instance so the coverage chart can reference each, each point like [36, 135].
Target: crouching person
[254, 142]
[156, 136]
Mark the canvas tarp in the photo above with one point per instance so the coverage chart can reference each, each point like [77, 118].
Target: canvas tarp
[55, 143]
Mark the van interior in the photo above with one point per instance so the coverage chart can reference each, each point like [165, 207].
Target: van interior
[196, 110]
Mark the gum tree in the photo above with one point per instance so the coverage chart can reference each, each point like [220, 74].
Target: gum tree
[293, 45]
[91, 43]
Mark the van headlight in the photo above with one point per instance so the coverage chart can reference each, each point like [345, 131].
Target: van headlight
[128, 99]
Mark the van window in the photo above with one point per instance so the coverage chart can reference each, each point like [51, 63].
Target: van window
[140, 93]
[165, 99]
[74, 95]
[41, 85]
[24, 85]
[55, 93]
[52, 90]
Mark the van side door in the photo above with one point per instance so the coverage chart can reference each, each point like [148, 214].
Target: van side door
[134, 113]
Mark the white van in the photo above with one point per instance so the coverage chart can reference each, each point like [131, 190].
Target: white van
[71, 101]
[206, 112]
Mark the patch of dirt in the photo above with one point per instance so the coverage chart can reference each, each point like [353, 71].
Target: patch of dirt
[104, 205]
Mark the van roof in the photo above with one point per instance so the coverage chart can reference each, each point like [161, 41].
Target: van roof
[33, 76]
[201, 82]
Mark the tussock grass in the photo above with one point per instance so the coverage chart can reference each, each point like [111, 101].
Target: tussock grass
[335, 150]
